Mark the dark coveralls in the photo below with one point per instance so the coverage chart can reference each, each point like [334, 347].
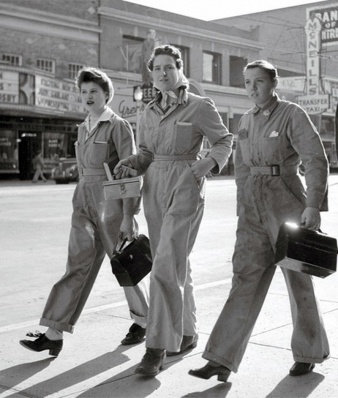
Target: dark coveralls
[280, 135]
[95, 226]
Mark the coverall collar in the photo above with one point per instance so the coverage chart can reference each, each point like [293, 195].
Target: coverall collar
[267, 109]
[105, 115]
[181, 100]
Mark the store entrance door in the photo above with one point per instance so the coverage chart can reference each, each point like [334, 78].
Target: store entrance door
[28, 146]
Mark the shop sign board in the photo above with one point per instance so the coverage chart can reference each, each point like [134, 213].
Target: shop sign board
[328, 17]
[57, 95]
[292, 84]
[314, 104]
[148, 92]
[9, 87]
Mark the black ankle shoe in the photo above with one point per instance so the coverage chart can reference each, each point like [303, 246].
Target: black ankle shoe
[43, 343]
[135, 335]
[209, 370]
[152, 362]
[301, 368]
[188, 342]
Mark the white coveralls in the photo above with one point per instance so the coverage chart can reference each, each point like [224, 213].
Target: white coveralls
[95, 226]
[281, 134]
[173, 204]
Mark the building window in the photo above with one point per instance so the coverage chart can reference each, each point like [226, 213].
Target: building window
[132, 54]
[73, 70]
[12, 59]
[237, 65]
[46, 65]
[185, 57]
[212, 67]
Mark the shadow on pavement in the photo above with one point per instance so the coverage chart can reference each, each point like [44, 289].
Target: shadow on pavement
[300, 387]
[128, 384]
[219, 391]
[17, 374]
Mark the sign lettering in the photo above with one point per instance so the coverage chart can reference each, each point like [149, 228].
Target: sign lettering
[57, 95]
[9, 87]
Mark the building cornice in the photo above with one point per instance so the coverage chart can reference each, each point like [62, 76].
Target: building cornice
[41, 22]
[172, 27]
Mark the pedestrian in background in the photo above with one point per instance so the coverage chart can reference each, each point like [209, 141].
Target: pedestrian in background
[38, 166]
[172, 129]
[273, 137]
[97, 225]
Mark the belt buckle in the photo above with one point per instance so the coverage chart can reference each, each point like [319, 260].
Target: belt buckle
[275, 170]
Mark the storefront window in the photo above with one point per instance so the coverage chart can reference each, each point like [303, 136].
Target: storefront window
[8, 151]
[58, 145]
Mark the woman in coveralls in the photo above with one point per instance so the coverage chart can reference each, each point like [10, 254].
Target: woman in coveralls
[273, 137]
[97, 225]
[172, 129]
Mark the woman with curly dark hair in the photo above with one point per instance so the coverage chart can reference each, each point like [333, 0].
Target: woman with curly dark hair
[97, 224]
[172, 130]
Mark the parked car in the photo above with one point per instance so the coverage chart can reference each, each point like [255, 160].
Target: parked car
[66, 171]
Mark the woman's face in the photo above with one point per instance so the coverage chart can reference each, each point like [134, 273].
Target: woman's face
[165, 72]
[93, 97]
[259, 86]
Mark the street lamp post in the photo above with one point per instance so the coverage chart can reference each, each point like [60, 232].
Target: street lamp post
[138, 95]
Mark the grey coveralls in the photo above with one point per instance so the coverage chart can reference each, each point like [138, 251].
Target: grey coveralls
[173, 204]
[281, 134]
[95, 227]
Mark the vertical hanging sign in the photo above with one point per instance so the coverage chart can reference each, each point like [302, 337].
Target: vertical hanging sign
[313, 28]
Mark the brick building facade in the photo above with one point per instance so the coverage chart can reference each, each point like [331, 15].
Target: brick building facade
[45, 43]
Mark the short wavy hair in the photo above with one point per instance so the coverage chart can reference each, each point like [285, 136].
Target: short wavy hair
[95, 75]
[166, 49]
[265, 65]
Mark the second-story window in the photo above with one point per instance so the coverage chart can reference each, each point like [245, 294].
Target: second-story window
[46, 65]
[212, 67]
[237, 65]
[132, 54]
[185, 58]
[73, 70]
[12, 59]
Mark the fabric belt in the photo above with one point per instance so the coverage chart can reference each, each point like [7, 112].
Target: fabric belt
[273, 170]
[168, 158]
[88, 171]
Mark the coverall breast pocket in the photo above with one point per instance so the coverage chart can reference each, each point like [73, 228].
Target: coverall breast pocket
[100, 150]
[183, 136]
[273, 149]
[243, 142]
